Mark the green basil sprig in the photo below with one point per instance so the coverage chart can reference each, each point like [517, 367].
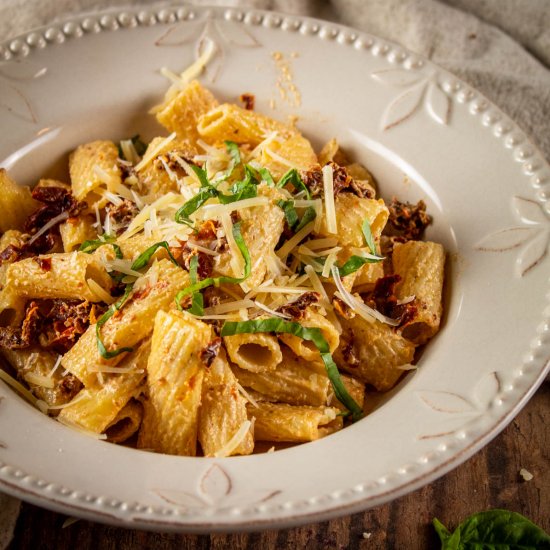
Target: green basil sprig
[197, 286]
[493, 530]
[311, 334]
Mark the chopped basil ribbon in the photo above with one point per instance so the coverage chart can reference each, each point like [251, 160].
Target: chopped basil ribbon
[104, 318]
[91, 246]
[192, 205]
[201, 174]
[197, 305]
[291, 215]
[240, 190]
[312, 334]
[308, 216]
[141, 261]
[265, 174]
[217, 281]
[233, 151]
[295, 180]
[245, 189]
[369, 239]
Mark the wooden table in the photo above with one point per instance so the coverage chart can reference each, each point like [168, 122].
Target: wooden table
[490, 479]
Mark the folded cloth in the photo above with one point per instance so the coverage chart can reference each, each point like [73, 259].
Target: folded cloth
[500, 47]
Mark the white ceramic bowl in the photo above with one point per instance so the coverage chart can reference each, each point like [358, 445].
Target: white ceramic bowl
[424, 134]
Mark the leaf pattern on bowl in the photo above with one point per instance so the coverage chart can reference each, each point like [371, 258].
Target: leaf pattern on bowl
[222, 38]
[12, 98]
[420, 91]
[458, 411]
[533, 237]
[215, 490]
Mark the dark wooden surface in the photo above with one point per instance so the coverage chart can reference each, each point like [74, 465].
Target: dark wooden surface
[490, 479]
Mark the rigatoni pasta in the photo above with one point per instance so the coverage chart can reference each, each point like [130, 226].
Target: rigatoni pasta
[218, 286]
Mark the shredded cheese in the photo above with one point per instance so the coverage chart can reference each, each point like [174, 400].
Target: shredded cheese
[227, 307]
[362, 309]
[56, 366]
[150, 155]
[289, 245]
[38, 380]
[330, 209]
[271, 311]
[100, 292]
[209, 210]
[317, 285]
[129, 151]
[246, 395]
[103, 175]
[54, 221]
[235, 441]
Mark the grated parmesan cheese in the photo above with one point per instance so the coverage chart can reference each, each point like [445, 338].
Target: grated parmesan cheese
[330, 209]
[54, 221]
[362, 309]
[99, 292]
[150, 155]
[39, 380]
[289, 245]
[235, 441]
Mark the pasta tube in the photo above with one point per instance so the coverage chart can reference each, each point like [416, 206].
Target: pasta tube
[420, 265]
[57, 276]
[175, 373]
[281, 422]
[223, 413]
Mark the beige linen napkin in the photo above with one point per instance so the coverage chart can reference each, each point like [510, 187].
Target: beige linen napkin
[501, 47]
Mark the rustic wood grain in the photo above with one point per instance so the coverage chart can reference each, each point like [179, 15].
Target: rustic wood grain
[490, 479]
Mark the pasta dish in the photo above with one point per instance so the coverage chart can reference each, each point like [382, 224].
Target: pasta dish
[221, 286]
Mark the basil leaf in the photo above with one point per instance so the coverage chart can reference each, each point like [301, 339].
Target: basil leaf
[104, 318]
[291, 215]
[295, 180]
[197, 304]
[233, 151]
[312, 334]
[493, 530]
[92, 245]
[308, 216]
[354, 263]
[245, 189]
[192, 205]
[369, 239]
[143, 259]
[217, 281]
[201, 174]
[265, 174]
